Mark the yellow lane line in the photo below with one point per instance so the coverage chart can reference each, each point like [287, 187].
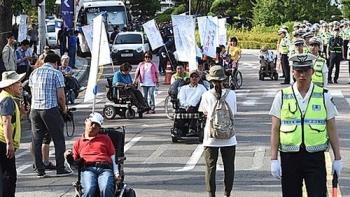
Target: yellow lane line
[99, 74]
[329, 177]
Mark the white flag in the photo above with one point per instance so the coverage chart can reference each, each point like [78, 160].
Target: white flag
[153, 34]
[100, 55]
[209, 47]
[22, 28]
[201, 28]
[222, 31]
[88, 32]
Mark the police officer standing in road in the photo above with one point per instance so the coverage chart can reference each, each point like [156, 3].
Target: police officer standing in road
[336, 50]
[303, 122]
[283, 50]
[321, 70]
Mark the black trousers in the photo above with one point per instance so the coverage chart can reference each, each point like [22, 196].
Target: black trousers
[334, 60]
[8, 173]
[181, 122]
[285, 67]
[138, 98]
[303, 165]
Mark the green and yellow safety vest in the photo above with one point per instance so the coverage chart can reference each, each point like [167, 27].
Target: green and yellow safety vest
[306, 131]
[283, 48]
[317, 77]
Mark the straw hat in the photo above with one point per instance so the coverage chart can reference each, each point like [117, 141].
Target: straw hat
[10, 77]
[216, 73]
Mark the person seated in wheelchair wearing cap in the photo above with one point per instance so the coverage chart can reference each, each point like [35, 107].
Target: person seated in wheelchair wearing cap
[228, 65]
[266, 60]
[97, 155]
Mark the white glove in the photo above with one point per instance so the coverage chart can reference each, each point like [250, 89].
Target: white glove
[276, 170]
[337, 166]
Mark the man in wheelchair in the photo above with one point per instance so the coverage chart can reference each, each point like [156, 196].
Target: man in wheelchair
[122, 78]
[189, 97]
[229, 65]
[267, 61]
[99, 167]
[70, 81]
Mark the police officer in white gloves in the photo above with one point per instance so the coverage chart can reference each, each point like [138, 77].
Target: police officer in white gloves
[303, 124]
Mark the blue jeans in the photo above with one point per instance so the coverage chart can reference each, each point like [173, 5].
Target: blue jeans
[93, 178]
[62, 48]
[149, 90]
[71, 54]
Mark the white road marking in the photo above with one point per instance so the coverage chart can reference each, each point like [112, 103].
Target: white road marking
[26, 152]
[337, 93]
[191, 163]
[157, 153]
[131, 143]
[258, 159]
[250, 101]
[270, 92]
[86, 104]
[23, 167]
[242, 93]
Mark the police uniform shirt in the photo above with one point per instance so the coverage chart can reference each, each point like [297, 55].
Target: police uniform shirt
[302, 102]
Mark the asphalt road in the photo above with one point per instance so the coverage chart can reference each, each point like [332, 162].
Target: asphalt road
[157, 167]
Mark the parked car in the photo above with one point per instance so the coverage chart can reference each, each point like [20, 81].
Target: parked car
[51, 36]
[130, 47]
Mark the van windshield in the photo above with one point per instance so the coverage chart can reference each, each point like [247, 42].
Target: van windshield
[128, 39]
[50, 28]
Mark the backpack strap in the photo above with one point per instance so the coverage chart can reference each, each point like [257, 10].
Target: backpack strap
[223, 98]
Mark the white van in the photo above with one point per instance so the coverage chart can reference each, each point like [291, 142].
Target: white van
[130, 47]
[51, 36]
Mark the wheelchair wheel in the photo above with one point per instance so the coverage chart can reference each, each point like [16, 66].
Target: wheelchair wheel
[168, 108]
[174, 139]
[140, 114]
[130, 114]
[239, 79]
[130, 193]
[70, 127]
[201, 135]
[109, 112]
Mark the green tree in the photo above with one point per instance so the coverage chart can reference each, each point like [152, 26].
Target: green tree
[144, 8]
[180, 9]
[5, 25]
[244, 8]
[345, 8]
[219, 7]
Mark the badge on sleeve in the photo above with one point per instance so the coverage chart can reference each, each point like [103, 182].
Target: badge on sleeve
[316, 107]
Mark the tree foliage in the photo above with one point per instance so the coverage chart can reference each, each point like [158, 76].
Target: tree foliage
[25, 7]
[144, 8]
[219, 7]
[345, 8]
[5, 25]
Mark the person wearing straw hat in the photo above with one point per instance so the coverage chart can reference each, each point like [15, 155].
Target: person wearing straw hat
[303, 124]
[11, 112]
[211, 144]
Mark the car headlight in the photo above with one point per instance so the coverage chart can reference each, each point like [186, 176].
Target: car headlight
[114, 50]
[139, 49]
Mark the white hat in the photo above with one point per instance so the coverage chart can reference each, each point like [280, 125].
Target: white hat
[10, 77]
[307, 35]
[302, 61]
[298, 41]
[280, 31]
[96, 117]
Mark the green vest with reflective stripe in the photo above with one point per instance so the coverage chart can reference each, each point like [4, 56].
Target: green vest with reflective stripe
[306, 49]
[307, 131]
[326, 36]
[317, 77]
[283, 46]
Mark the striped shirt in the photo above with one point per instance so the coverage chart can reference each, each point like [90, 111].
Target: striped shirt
[44, 82]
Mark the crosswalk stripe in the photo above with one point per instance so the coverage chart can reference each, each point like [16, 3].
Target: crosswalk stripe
[191, 163]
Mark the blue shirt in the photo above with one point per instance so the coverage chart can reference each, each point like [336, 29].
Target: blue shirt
[44, 82]
[120, 77]
[73, 40]
[21, 54]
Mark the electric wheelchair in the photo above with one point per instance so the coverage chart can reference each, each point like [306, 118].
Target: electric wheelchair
[117, 136]
[268, 69]
[199, 117]
[119, 102]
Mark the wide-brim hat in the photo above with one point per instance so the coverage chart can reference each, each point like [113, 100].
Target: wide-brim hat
[10, 77]
[216, 73]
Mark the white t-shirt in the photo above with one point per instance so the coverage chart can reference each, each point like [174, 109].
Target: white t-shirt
[302, 102]
[207, 105]
[147, 78]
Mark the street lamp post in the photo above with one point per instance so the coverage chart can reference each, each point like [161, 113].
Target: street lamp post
[189, 7]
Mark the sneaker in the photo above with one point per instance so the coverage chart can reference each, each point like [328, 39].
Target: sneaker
[51, 166]
[82, 88]
[41, 174]
[191, 132]
[153, 112]
[63, 172]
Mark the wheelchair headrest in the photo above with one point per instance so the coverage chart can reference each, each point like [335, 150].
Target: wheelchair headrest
[109, 81]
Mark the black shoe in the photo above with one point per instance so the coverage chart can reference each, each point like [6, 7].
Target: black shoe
[41, 174]
[177, 132]
[348, 82]
[284, 83]
[335, 81]
[282, 76]
[330, 81]
[63, 172]
[51, 166]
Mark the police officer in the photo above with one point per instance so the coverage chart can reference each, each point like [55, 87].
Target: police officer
[303, 122]
[336, 50]
[283, 50]
[307, 37]
[320, 67]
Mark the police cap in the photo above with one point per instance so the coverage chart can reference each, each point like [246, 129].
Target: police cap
[302, 61]
[324, 25]
[296, 24]
[298, 41]
[336, 29]
[307, 35]
[315, 41]
[280, 31]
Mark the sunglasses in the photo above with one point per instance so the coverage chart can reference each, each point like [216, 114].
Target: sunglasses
[194, 76]
[147, 57]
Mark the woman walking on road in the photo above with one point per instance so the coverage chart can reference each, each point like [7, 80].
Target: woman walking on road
[149, 78]
[212, 142]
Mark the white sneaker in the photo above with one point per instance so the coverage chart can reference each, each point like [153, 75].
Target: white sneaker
[82, 88]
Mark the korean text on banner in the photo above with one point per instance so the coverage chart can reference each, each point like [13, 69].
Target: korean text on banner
[222, 31]
[100, 55]
[216, 21]
[22, 29]
[201, 28]
[209, 47]
[88, 32]
[67, 7]
[153, 34]
[184, 36]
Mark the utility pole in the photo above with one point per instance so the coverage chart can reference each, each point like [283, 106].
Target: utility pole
[41, 27]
